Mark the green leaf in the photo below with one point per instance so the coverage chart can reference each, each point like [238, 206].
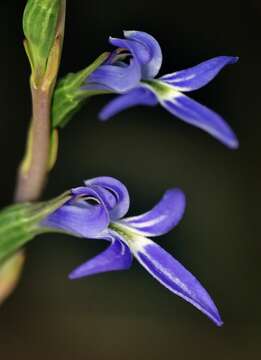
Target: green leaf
[20, 223]
[69, 96]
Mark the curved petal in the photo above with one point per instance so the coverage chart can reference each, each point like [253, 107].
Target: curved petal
[137, 96]
[81, 220]
[119, 191]
[85, 215]
[200, 116]
[98, 194]
[199, 75]
[110, 200]
[163, 217]
[152, 67]
[117, 55]
[116, 257]
[117, 78]
[97, 89]
[139, 51]
[171, 274]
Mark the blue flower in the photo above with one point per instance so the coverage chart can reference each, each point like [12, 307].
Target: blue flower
[97, 211]
[131, 71]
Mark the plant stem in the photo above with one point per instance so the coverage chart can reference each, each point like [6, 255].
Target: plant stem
[33, 172]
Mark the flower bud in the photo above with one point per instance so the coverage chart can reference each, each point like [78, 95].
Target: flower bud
[40, 23]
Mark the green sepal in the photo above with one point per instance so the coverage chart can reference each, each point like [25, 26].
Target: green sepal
[69, 95]
[20, 223]
[40, 21]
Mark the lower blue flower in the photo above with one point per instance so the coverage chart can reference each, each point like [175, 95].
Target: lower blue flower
[97, 211]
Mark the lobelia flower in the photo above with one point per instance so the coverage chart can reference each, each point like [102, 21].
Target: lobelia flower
[97, 211]
[136, 83]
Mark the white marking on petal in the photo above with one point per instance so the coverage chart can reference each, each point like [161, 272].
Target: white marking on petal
[146, 223]
[128, 230]
[167, 77]
[128, 33]
[138, 245]
[164, 271]
[167, 91]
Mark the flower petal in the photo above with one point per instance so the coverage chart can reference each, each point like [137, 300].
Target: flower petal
[138, 50]
[137, 96]
[109, 199]
[163, 217]
[198, 115]
[152, 67]
[80, 217]
[100, 194]
[117, 78]
[119, 191]
[116, 257]
[199, 75]
[117, 55]
[78, 220]
[171, 274]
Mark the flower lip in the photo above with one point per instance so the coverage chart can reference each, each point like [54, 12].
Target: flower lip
[138, 96]
[171, 274]
[116, 257]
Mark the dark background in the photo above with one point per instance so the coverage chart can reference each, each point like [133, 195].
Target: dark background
[128, 315]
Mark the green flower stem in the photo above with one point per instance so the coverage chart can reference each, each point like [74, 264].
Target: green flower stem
[34, 168]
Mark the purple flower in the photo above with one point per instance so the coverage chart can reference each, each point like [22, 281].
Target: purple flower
[135, 81]
[97, 211]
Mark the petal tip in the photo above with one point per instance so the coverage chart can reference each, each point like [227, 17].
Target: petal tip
[179, 192]
[228, 59]
[233, 144]
[217, 319]
[234, 59]
[219, 323]
[179, 195]
[103, 117]
[73, 275]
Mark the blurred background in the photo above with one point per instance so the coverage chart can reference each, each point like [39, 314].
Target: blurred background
[128, 315]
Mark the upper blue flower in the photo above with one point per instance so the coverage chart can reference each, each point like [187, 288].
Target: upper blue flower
[97, 211]
[131, 70]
